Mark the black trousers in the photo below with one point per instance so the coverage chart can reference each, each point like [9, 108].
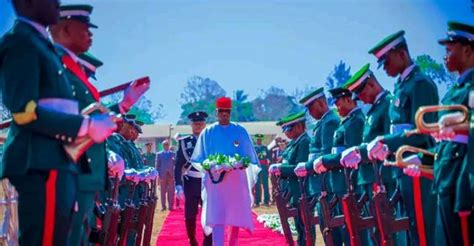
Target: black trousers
[45, 206]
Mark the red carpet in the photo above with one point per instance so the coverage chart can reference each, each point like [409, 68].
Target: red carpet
[173, 233]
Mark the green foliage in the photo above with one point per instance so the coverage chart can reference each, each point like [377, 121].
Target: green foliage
[143, 109]
[273, 104]
[436, 71]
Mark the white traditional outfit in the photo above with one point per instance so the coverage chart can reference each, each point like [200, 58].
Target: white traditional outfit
[229, 202]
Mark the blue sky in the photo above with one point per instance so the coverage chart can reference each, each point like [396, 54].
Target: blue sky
[252, 45]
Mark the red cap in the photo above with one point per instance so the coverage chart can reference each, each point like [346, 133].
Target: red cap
[224, 103]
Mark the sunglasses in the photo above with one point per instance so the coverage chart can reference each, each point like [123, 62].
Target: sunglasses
[223, 110]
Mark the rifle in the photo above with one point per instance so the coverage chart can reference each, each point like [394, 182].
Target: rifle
[112, 216]
[282, 199]
[330, 222]
[142, 213]
[6, 123]
[152, 199]
[353, 213]
[387, 223]
[306, 213]
[127, 214]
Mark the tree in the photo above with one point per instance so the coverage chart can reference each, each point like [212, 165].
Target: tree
[242, 110]
[339, 76]
[200, 94]
[143, 109]
[435, 70]
[201, 89]
[273, 104]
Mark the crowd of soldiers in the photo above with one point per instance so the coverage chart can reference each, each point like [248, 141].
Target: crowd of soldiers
[401, 174]
[80, 177]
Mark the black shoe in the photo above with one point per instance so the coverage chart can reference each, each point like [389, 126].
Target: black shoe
[163, 209]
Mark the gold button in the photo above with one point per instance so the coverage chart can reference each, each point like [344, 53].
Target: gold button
[60, 72]
[87, 92]
[89, 160]
[63, 137]
[69, 139]
[64, 65]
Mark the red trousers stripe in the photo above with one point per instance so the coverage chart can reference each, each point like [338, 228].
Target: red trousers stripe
[50, 208]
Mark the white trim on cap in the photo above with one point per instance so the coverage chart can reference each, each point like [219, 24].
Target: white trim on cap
[360, 80]
[388, 47]
[311, 99]
[467, 35]
[87, 65]
[292, 122]
[65, 13]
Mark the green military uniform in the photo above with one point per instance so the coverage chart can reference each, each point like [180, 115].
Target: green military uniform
[348, 134]
[149, 159]
[450, 182]
[377, 122]
[34, 159]
[412, 91]
[320, 144]
[262, 181]
[93, 164]
[296, 152]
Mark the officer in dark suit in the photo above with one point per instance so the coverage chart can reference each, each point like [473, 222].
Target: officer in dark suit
[186, 174]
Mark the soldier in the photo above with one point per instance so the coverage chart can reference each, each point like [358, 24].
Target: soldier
[451, 183]
[149, 157]
[321, 140]
[189, 178]
[165, 164]
[366, 87]
[45, 117]
[348, 134]
[412, 90]
[73, 37]
[262, 181]
[296, 152]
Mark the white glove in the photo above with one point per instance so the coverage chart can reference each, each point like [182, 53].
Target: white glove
[351, 158]
[412, 170]
[377, 150]
[115, 164]
[132, 94]
[274, 169]
[180, 192]
[101, 126]
[132, 175]
[318, 166]
[300, 170]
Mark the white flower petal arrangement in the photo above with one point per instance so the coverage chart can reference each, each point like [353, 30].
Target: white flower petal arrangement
[273, 222]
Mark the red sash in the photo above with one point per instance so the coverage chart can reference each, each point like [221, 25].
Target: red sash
[72, 66]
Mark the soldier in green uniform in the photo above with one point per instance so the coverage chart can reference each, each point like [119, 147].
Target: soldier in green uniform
[45, 117]
[296, 152]
[450, 183]
[73, 37]
[149, 157]
[366, 87]
[412, 90]
[348, 134]
[321, 140]
[262, 182]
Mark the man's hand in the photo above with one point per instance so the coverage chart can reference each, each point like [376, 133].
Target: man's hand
[274, 169]
[180, 192]
[318, 166]
[101, 126]
[300, 170]
[412, 170]
[131, 95]
[377, 149]
[351, 158]
[115, 164]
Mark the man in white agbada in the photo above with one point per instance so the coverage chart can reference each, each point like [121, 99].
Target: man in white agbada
[227, 203]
